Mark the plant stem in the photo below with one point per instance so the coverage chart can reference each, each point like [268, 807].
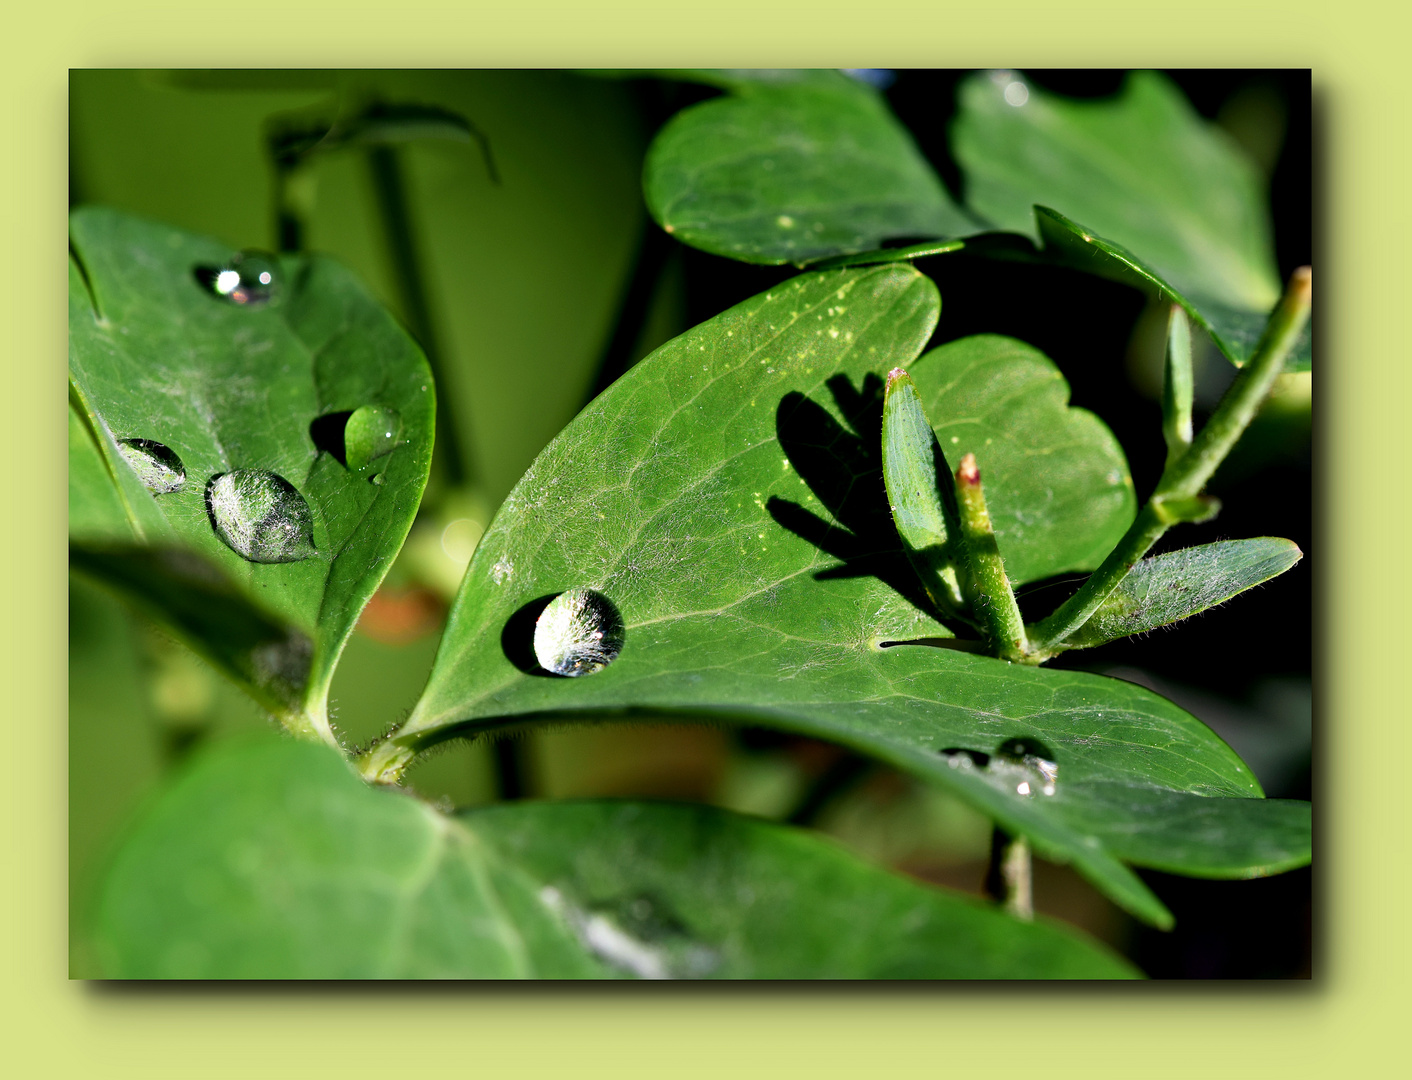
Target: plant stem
[992, 598]
[1177, 495]
[1177, 385]
[412, 292]
[1010, 879]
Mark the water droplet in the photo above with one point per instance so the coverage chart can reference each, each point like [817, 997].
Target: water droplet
[261, 516]
[157, 466]
[250, 279]
[1023, 765]
[580, 632]
[371, 432]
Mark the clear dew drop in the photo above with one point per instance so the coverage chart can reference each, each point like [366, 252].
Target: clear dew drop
[371, 432]
[1023, 765]
[250, 279]
[261, 516]
[580, 632]
[157, 466]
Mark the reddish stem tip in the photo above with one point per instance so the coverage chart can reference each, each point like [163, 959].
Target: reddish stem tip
[969, 473]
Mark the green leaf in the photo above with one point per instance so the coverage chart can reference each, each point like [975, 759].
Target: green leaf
[271, 860]
[918, 481]
[1234, 332]
[794, 171]
[1056, 481]
[1180, 584]
[95, 507]
[254, 647]
[725, 496]
[234, 393]
[1141, 168]
[1169, 203]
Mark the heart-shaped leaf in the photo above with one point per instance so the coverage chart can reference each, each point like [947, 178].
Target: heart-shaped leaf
[218, 391]
[1056, 481]
[793, 170]
[1169, 203]
[1142, 169]
[271, 860]
[724, 503]
[1180, 584]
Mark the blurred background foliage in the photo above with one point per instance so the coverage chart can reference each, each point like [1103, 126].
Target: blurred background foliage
[514, 243]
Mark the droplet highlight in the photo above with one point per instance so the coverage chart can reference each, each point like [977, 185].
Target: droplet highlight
[156, 465]
[249, 280]
[579, 633]
[371, 432]
[261, 516]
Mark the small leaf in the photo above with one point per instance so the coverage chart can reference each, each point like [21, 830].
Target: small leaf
[250, 399]
[794, 171]
[270, 860]
[916, 475]
[1180, 584]
[1234, 332]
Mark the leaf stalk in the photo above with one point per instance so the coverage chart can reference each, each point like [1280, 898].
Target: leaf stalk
[1178, 496]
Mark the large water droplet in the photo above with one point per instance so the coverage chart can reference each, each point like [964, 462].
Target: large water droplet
[580, 632]
[157, 466]
[249, 279]
[1023, 765]
[371, 432]
[261, 516]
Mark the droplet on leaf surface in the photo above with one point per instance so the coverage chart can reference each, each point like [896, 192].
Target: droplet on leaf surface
[249, 279]
[371, 432]
[261, 516]
[156, 465]
[580, 632]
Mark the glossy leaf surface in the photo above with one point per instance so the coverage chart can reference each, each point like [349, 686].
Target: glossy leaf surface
[271, 860]
[1167, 200]
[1180, 584]
[1235, 332]
[795, 171]
[1056, 481]
[1142, 168]
[158, 354]
[726, 496]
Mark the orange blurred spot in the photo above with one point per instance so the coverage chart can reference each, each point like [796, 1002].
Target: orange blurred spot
[397, 616]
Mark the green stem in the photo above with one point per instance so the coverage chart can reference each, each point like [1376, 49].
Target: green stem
[1010, 878]
[1178, 494]
[993, 599]
[453, 451]
[1177, 385]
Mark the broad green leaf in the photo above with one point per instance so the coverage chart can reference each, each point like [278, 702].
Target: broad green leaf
[1234, 332]
[239, 392]
[1180, 584]
[1056, 481]
[1169, 203]
[794, 171]
[1142, 169]
[95, 507]
[725, 498]
[271, 860]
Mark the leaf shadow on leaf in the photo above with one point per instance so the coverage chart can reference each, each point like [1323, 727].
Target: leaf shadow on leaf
[843, 468]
